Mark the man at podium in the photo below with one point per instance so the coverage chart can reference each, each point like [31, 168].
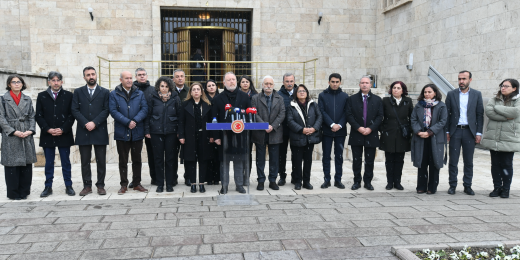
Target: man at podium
[235, 149]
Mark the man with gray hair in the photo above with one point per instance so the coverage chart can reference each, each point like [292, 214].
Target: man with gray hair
[271, 109]
[236, 151]
[286, 92]
[54, 116]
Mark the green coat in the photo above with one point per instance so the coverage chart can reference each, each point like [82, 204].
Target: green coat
[501, 134]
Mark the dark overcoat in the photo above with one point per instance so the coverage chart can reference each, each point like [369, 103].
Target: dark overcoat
[187, 130]
[392, 139]
[355, 119]
[333, 107]
[275, 118]
[51, 113]
[124, 110]
[163, 117]
[297, 121]
[95, 109]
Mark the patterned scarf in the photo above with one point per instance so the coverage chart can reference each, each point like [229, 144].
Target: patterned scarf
[428, 104]
[165, 97]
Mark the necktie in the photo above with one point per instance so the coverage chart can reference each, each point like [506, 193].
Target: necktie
[268, 99]
[90, 90]
[365, 110]
[55, 95]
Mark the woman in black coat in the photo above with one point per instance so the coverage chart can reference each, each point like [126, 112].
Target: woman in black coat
[247, 86]
[304, 120]
[397, 111]
[161, 126]
[213, 173]
[196, 112]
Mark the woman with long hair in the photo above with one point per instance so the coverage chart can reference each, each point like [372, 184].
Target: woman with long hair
[213, 174]
[161, 126]
[501, 136]
[196, 112]
[247, 86]
[429, 117]
[18, 127]
[395, 132]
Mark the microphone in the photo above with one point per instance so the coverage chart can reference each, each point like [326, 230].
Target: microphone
[237, 112]
[250, 112]
[227, 107]
[243, 114]
[254, 111]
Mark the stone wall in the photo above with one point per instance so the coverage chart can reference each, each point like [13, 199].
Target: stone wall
[451, 35]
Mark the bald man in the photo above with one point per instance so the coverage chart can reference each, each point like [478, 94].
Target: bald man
[129, 108]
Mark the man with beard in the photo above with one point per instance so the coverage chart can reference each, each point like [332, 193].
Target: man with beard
[143, 84]
[55, 119]
[286, 91]
[236, 151]
[90, 108]
[464, 126]
[179, 78]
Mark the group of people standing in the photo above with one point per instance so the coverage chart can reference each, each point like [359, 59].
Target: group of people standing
[171, 117]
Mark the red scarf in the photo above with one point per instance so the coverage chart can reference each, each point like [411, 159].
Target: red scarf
[16, 98]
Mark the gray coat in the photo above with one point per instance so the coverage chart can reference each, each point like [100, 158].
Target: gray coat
[275, 119]
[502, 134]
[17, 151]
[437, 126]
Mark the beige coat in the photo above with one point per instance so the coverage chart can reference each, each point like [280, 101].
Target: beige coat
[502, 134]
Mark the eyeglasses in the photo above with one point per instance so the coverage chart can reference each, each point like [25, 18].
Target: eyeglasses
[16, 82]
[55, 81]
[302, 91]
[504, 86]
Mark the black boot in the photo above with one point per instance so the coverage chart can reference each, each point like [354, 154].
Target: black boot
[46, 192]
[69, 191]
[159, 189]
[496, 192]
[201, 188]
[224, 190]
[193, 188]
[505, 194]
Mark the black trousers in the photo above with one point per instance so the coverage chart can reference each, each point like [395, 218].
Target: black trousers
[357, 156]
[191, 170]
[176, 166]
[164, 158]
[213, 173]
[85, 152]
[394, 167]
[134, 148]
[299, 155]
[465, 139]
[274, 149]
[283, 158]
[428, 174]
[151, 158]
[18, 181]
[502, 169]
[339, 145]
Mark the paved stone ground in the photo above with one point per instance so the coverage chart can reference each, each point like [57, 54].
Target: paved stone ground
[318, 224]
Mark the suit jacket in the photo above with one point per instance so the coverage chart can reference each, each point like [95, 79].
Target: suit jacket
[355, 119]
[57, 113]
[475, 111]
[275, 118]
[95, 109]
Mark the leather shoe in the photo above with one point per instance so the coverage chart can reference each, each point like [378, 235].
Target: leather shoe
[293, 181]
[421, 191]
[325, 184]
[130, 185]
[298, 186]
[169, 188]
[85, 191]
[159, 189]
[140, 188]
[273, 186]
[46, 192]
[193, 188]
[356, 186]
[281, 182]
[153, 182]
[389, 186]
[505, 194]
[430, 192]
[175, 183]
[187, 182]
[241, 189]
[469, 191]
[24, 197]
[209, 183]
[101, 191]
[122, 191]
[339, 185]
[451, 190]
[399, 186]
[496, 192]
[260, 186]
[223, 190]
[308, 186]
[70, 191]
[202, 189]
[368, 186]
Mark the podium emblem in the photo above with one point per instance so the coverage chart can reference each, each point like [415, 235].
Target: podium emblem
[237, 126]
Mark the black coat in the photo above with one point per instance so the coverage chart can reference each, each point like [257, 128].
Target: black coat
[86, 110]
[163, 117]
[219, 103]
[297, 122]
[287, 98]
[355, 119]
[57, 113]
[184, 92]
[392, 139]
[333, 107]
[146, 88]
[188, 130]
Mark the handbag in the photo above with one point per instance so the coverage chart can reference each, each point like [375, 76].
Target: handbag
[405, 129]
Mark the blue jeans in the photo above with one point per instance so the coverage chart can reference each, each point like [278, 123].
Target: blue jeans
[65, 165]
[339, 145]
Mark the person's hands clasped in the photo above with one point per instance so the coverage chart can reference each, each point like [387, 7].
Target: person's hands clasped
[423, 134]
[90, 126]
[181, 141]
[22, 134]
[270, 129]
[147, 136]
[132, 124]
[217, 141]
[365, 130]
[57, 132]
[335, 128]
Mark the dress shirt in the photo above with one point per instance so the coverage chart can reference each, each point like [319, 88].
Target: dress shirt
[93, 89]
[463, 107]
